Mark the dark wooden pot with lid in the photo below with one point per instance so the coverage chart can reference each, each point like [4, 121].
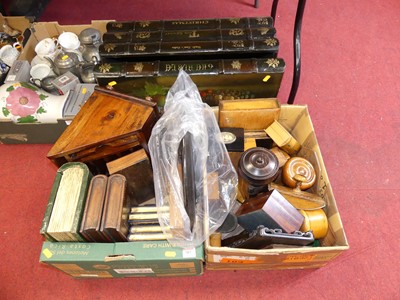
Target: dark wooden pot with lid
[258, 167]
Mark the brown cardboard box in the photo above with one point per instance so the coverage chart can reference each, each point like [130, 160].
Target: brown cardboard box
[11, 133]
[296, 119]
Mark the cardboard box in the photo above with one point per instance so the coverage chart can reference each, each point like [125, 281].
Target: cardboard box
[130, 259]
[296, 119]
[38, 133]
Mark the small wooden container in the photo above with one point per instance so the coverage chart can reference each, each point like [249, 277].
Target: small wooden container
[107, 126]
[316, 221]
[298, 171]
[258, 167]
[283, 138]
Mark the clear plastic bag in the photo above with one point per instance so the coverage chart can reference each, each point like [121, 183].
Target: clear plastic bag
[194, 179]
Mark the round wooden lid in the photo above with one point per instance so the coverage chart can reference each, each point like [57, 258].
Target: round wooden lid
[258, 166]
[299, 172]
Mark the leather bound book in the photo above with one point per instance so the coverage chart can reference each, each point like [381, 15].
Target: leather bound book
[189, 24]
[114, 221]
[62, 219]
[195, 38]
[91, 220]
[136, 168]
[216, 79]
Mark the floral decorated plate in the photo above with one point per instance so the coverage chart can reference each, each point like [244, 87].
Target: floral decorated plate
[22, 102]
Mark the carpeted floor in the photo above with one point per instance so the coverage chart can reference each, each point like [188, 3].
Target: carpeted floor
[350, 59]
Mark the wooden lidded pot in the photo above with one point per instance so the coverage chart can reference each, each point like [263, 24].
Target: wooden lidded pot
[315, 220]
[298, 172]
[258, 167]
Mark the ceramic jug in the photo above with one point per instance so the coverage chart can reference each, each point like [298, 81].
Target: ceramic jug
[23, 102]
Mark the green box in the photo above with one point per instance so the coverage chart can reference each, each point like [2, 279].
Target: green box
[130, 259]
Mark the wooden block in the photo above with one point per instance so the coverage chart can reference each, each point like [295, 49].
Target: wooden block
[283, 138]
[250, 114]
[271, 210]
[136, 168]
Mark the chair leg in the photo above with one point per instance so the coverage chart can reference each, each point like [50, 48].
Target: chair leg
[256, 3]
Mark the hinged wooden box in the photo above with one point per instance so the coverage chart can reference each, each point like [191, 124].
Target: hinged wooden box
[107, 126]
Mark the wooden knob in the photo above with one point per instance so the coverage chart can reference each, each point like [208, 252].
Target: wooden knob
[298, 172]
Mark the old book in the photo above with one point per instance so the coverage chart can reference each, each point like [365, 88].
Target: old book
[189, 34]
[136, 167]
[114, 223]
[91, 220]
[172, 39]
[189, 24]
[213, 49]
[216, 79]
[66, 204]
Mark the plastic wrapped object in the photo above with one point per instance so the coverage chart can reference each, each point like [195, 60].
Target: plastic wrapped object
[194, 179]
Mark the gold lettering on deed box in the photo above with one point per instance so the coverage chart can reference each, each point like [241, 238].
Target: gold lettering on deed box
[144, 24]
[117, 25]
[139, 48]
[236, 32]
[143, 35]
[234, 21]
[264, 31]
[262, 21]
[236, 65]
[105, 68]
[194, 34]
[188, 67]
[271, 42]
[238, 44]
[138, 67]
[109, 47]
[272, 62]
